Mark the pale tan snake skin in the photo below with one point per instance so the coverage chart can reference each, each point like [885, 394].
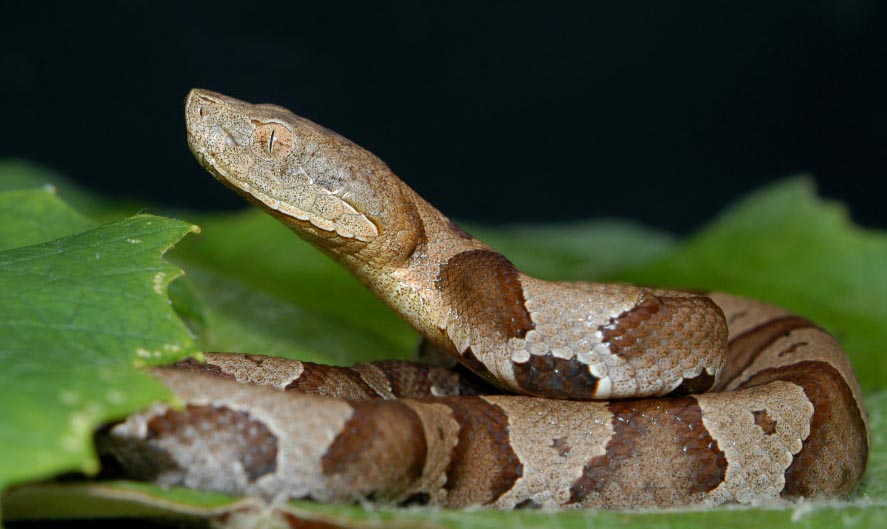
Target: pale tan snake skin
[783, 415]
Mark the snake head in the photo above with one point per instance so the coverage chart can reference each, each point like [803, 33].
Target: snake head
[329, 190]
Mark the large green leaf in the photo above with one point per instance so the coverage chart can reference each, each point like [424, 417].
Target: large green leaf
[77, 315]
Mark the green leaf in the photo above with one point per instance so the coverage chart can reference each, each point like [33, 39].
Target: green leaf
[77, 315]
[238, 318]
[786, 246]
[267, 258]
[37, 215]
[17, 175]
[874, 484]
[577, 251]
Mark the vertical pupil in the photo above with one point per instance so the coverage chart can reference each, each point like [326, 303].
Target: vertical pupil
[271, 141]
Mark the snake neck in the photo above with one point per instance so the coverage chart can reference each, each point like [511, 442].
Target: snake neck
[402, 266]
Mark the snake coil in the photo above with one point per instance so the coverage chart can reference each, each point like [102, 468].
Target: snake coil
[742, 402]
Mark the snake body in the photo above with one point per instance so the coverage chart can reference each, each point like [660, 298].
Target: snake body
[742, 401]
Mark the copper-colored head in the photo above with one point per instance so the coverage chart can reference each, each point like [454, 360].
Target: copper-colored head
[306, 175]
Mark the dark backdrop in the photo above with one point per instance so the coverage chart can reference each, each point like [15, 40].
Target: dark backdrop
[498, 111]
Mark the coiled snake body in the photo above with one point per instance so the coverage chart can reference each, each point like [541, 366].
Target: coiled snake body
[783, 414]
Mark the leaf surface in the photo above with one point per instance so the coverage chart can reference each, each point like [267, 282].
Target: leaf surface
[78, 314]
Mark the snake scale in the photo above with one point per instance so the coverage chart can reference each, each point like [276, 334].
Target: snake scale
[567, 395]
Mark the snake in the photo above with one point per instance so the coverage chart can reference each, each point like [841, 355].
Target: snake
[533, 394]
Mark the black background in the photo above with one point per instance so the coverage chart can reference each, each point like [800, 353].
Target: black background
[495, 111]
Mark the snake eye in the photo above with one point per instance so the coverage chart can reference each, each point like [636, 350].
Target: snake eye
[271, 141]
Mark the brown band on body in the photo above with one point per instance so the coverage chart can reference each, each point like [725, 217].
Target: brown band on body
[555, 377]
[332, 381]
[681, 324]
[484, 288]
[380, 451]
[233, 435]
[745, 347]
[835, 452]
[412, 380]
[407, 379]
[691, 386]
[624, 331]
[660, 454]
[483, 465]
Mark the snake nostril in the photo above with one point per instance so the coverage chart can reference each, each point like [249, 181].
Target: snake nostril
[201, 111]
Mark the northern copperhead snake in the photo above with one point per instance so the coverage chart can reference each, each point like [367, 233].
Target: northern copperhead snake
[784, 417]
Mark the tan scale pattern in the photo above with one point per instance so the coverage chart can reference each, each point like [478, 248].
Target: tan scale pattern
[756, 460]
[552, 443]
[441, 438]
[567, 319]
[269, 371]
[574, 320]
[833, 457]
[376, 379]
